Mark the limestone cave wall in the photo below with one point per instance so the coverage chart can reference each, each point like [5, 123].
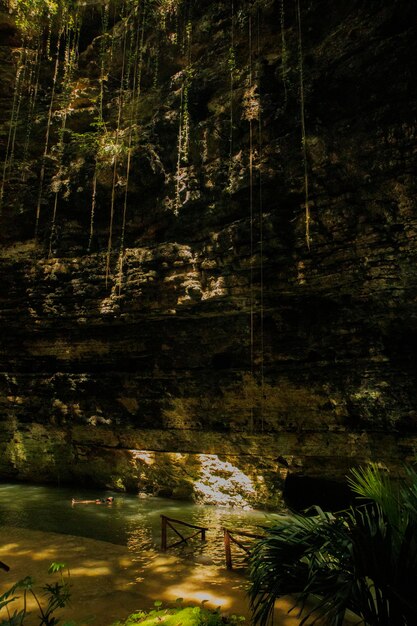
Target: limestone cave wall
[190, 336]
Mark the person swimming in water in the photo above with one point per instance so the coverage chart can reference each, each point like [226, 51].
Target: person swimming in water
[108, 500]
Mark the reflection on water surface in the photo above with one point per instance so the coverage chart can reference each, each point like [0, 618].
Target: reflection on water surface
[131, 520]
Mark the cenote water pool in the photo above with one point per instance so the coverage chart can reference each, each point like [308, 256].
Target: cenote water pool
[131, 520]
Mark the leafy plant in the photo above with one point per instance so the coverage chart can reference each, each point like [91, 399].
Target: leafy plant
[363, 559]
[57, 596]
[180, 615]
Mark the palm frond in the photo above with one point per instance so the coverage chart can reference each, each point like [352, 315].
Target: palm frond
[363, 559]
[298, 557]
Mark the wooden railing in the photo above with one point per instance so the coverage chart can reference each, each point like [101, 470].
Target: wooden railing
[168, 522]
[230, 538]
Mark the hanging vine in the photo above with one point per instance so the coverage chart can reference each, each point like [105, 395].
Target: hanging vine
[181, 177]
[33, 90]
[104, 34]
[34, 19]
[136, 92]
[303, 128]
[72, 35]
[179, 158]
[17, 95]
[251, 116]
[116, 146]
[22, 84]
[232, 67]
[48, 128]
[99, 122]
[261, 242]
[284, 55]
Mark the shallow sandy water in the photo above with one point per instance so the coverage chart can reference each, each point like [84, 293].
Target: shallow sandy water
[109, 582]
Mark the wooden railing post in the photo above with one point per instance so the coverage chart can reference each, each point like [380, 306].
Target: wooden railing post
[227, 549]
[230, 537]
[163, 533]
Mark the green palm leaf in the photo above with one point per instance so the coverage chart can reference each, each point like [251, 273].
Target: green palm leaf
[363, 559]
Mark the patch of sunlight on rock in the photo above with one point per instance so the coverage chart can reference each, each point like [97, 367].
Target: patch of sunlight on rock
[222, 483]
[142, 455]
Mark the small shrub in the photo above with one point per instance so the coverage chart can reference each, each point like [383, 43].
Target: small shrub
[363, 559]
[56, 594]
[180, 616]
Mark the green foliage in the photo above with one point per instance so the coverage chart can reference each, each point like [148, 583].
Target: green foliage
[363, 559]
[180, 616]
[56, 594]
[166, 9]
[35, 16]
[85, 144]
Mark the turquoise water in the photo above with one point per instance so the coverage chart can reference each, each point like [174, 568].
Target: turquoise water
[131, 520]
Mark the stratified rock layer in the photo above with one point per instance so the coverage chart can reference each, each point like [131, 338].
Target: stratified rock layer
[223, 352]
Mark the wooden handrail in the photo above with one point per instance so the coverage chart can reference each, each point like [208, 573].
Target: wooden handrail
[168, 522]
[229, 538]
[243, 533]
[178, 521]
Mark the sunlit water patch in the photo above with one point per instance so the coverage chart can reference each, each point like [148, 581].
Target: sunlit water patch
[130, 520]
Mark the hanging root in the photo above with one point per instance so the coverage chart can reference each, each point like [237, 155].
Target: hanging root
[303, 129]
